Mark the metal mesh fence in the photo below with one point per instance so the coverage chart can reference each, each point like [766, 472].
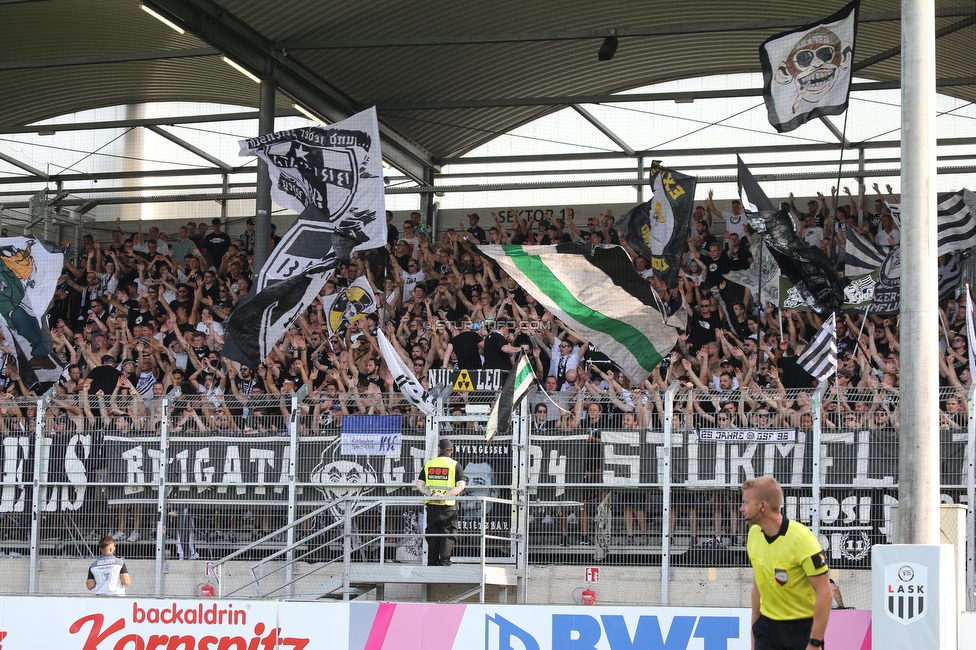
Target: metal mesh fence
[633, 478]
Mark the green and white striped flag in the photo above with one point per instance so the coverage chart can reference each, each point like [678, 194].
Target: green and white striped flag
[519, 381]
[596, 291]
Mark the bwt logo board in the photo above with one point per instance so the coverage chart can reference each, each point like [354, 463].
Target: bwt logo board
[582, 632]
[906, 587]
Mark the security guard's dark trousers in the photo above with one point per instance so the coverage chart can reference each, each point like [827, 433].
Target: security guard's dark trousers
[442, 530]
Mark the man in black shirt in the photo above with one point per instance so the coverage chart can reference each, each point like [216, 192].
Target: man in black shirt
[704, 321]
[475, 230]
[498, 349]
[466, 345]
[216, 243]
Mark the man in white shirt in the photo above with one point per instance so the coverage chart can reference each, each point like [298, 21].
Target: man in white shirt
[735, 221]
[887, 235]
[108, 575]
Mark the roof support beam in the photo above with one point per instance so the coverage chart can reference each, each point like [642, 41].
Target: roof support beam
[65, 62]
[604, 129]
[896, 50]
[598, 34]
[715, 151]
[149, 121]
[27, 168]
[636, 97]
[835, 131]
[237, 40]
[157, 173]
[189, 147]
[629, 181]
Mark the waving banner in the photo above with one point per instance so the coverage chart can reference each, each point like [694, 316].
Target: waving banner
[807, 71]
[333, 177]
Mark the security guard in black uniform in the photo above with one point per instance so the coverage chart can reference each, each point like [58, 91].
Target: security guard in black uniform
[440, 479]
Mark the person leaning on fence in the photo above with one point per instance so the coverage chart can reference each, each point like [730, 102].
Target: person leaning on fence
[791, 594]
[440, 479]
[108, 575]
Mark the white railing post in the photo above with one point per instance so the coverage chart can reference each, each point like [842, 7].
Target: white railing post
[161, 495]
[816, 405]
[293, 425]
[971, 503]
[36, 506]
[665, 473]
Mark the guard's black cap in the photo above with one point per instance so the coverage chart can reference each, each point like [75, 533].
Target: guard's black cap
[445, 444]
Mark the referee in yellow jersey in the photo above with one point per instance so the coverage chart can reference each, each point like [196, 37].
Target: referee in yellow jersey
[790, 590]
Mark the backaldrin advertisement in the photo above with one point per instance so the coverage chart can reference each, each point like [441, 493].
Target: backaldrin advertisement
[132, 623]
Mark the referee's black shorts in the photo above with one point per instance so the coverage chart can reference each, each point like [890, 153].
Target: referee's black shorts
[781, 635]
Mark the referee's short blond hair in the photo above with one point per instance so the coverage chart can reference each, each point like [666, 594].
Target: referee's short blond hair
[768, 489]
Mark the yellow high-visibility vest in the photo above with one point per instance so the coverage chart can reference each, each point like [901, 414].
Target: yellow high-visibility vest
[439, 474]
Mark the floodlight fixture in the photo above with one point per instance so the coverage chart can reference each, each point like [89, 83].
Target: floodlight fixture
[244, 71]
[309, 114]
[166, 21]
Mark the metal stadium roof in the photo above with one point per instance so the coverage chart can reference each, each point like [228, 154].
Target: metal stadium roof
[446, 76]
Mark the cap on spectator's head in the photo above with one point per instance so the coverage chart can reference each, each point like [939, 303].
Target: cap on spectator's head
[108, 358]
[811, 202]
[730, 362]
[753, 337]
[445, 444]
[215, 221]
[475, 215]
[127, 362]
[844, 372]
[250, 221]
[144, 339]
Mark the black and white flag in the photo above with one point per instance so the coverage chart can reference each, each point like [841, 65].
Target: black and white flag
[403, 377]
[348, 304]
[659, 228]
[820, 356]
[333, 177]
[956, 221]
[814, 282]
[862, 255]
[807, 71]
[752, 197]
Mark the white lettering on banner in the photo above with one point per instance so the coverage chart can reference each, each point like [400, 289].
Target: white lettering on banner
[133, 469]
[747, 435]
[630, 462]
[262, 458]
[202, 470]
[233, 472]
[16, 451]
[557, 468]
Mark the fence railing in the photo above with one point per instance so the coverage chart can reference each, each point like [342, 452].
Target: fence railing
[643, 479]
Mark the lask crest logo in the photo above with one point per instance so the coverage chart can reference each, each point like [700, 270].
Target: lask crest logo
[906, 588]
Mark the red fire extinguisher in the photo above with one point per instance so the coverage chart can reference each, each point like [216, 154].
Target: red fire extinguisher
[207, 591]
[589, 597]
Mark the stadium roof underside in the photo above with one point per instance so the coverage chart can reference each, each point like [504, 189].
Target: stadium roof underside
[446, 77]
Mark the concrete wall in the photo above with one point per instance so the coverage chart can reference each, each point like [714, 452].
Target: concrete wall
[556, 585]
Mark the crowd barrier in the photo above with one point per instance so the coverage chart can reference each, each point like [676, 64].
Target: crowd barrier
[198, 477]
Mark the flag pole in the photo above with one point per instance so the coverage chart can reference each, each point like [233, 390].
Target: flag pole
[759, 302]
[864, 321]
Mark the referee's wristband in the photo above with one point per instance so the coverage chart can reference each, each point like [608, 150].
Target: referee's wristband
[816, 643]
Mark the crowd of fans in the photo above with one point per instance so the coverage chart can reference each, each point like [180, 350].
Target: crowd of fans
[153, 306]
